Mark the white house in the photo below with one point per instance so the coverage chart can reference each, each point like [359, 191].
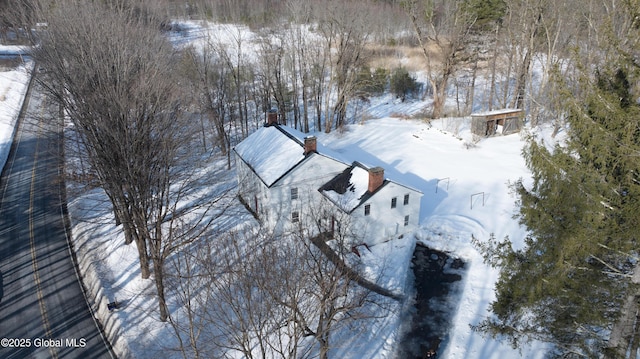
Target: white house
[288, 180]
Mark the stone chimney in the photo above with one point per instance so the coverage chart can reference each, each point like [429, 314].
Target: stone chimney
[310, 144]
[272, 117]
[376, 178]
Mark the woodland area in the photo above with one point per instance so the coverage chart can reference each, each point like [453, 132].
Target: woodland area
[316, 81]
[139, 104]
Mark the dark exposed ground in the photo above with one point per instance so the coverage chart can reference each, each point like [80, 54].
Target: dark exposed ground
[435, 275]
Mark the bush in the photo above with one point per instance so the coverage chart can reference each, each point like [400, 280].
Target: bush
[372, 83]
[403, 85]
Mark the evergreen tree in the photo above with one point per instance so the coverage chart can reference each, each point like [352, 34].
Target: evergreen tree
[485, 12]
[370, 83]
[403, 85]
[575, 283]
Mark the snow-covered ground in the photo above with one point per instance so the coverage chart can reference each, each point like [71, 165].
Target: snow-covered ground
[466, 192]
[13, 85]
[422, 155]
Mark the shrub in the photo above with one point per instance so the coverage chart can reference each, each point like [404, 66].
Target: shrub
[372, 83]
[403, 85]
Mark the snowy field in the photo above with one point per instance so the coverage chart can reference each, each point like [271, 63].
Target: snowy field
[466, 192]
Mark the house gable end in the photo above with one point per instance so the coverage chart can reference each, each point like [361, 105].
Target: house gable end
[314, 170]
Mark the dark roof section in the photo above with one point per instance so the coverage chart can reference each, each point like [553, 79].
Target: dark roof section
[340, 183]
[349, 189]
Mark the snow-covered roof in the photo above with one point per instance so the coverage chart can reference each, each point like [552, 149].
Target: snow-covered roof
[271, 153]
[496, 112]
[350, 188]
[14, 50]
[320, 148]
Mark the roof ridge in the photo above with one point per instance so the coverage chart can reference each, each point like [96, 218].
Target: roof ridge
[286, 133]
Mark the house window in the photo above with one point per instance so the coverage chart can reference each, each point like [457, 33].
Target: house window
[394, 202]
[295, 217]
[294, 193]
[367, 209]
[406, 221]
[406, 199]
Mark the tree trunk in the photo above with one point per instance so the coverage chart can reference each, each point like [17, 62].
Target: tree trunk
[438, 102]
[142, 239]
[521, 85]
[145, 272]
[507, 77]
[123, 217]
[625, 329]
[295, 99]
[526, 63]
[324, 350]
[323, 339]
[492, 89]
[129, 231]
[218, 122]
[158, 270]
[340, 110]
[203, 132]
[305, 106]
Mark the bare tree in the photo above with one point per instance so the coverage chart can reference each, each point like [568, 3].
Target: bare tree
[273, 71]
[530, 16]
[263, 294]
[303, 65]
[19, 18]
[187, 285]
[224, 289]
[232, 88]
[445, 26]
[113, 74]
[344, 28]
[210, 82]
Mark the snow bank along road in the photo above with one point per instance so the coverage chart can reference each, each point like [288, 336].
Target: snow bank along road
[43, 311]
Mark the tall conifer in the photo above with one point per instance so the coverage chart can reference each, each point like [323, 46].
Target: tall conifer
[575, 283]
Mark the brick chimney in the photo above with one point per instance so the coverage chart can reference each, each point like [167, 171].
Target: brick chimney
[272, 117]
[310, 144]
[376, 178]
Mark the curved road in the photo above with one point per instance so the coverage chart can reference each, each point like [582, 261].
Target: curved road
[42, 306]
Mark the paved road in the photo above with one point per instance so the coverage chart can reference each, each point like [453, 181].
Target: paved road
[42, 305]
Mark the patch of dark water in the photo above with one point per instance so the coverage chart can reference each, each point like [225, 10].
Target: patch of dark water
[435, 275]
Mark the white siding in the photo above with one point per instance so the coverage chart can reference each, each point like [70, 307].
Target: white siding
[384, 222]
[307, 177]
[275, 205]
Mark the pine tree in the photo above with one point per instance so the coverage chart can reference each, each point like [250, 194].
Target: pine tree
[403, 85]
[485, 12]
[573, 283]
